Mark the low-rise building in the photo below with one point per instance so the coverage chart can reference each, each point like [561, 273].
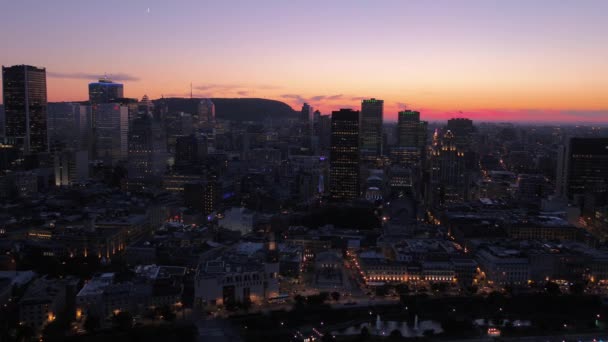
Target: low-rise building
[235, 279]
[43, 300]
[504, 266]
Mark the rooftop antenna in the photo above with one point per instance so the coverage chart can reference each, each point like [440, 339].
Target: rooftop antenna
[190, 89]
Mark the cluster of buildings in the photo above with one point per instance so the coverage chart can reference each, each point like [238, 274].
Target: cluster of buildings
[212, 212]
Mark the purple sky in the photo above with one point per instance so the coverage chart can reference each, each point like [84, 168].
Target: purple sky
[534, 57]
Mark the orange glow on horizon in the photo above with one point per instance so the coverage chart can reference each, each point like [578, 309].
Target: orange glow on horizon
[439, 105]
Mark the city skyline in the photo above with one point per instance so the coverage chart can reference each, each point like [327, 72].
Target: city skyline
[493, 61]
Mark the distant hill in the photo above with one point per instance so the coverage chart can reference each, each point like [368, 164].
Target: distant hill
[238, 109]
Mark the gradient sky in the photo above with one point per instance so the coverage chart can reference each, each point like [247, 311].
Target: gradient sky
[491, 59]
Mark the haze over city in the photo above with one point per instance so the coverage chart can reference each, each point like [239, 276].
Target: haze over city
[492, 60]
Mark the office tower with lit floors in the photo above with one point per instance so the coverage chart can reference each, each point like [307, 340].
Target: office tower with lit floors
[372, 111]
[464, 133]
[25, 108]
[448, 179]
[344, 155]
[411, 139]
[147, 152]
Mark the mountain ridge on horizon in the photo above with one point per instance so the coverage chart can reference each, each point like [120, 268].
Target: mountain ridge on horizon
[236, 109]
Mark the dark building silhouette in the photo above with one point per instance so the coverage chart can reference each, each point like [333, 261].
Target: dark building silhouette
[146, 155]
[2, 121]
[189, 151]
[586, 168]
[306, 114]
[463, 130]
[24, 94]
[344, 155]
[372, 112]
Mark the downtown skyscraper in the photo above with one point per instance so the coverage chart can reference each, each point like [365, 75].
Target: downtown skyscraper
[306, 114]
[583, 169]
[112, 124]
[344, 155]
[25, 102]
[411, 139]
[448, 179]
[372, 112]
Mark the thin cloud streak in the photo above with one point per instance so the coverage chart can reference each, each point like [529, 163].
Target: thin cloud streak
[233, 87]
[119, 76]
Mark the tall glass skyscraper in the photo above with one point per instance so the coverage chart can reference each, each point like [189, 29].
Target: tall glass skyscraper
[344, 155]
[372, 111]
[24, 94]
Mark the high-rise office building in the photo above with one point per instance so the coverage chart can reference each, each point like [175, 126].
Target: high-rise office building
[101, 92]
[68, 117]
[25, 107]
[344, 155]
[145, 106]
[112, 125]
[560, 172]
[408, 128]
[203, 196]
[306, 114]
[306, 126]
[448, 181]
[372, 111]
[178, 124]
[105, 91]
[463, 130]
[2, 122]
[206, 112]
[583, 168]
[147, 152]
[71, 166]
[187, 154]
[411, 139]
[324, 127]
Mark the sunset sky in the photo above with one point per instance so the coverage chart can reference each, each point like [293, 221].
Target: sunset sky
[530, 60]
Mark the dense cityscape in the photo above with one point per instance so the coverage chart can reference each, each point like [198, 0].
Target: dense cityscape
[254, 212]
